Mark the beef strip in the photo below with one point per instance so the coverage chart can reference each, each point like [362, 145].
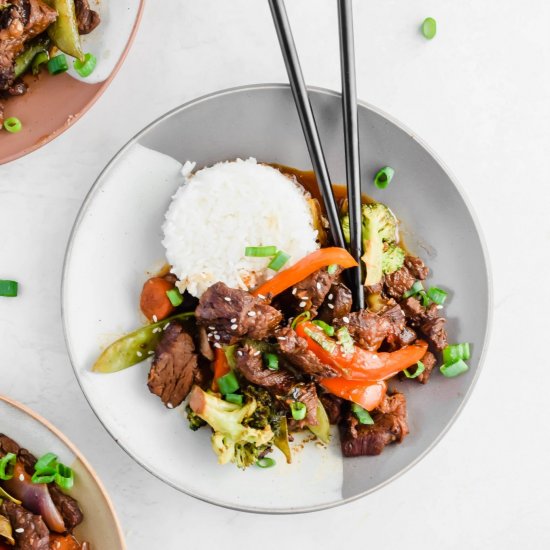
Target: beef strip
[368, 329]
[390, 425]
[174, 367]
[306, 394]
[68, 506]
[333, 406]
[8, 445]
[397, 283]
[338, 304]
[416, 267]
[399, 334]
[229, 314]
[295, 350]
[429, 361]
[30, 531]
[427, 320]
[86, 18]
[250, 365]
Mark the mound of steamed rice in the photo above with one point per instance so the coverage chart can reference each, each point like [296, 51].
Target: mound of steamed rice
[222, 209]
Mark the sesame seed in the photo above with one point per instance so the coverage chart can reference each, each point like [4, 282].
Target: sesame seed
[256, 353]
[21, 477]
[345, 319]
[155, 319]
[150, 352]
[239, 353]
[210, 334]
[294, 290]
[211, 328]
[330, 296]
[166, 326]
[281, 337]
[318, 286]
[251, 314]
[217, 336]
[331, 306]
[227, 298]
[169, 405]
[158, 329]
[261, 296]
[303, 304]
[20, 530]
[439, 306]
[234, 320]
[216, 345]
[234, 327]
[139, 354]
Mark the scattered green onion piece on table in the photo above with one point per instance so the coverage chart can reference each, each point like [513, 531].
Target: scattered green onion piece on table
[9, 289]
[13, 125]
[429, 28]
[58, 64]
[265, 462]
[298, 410]
[304, 316]
[272, 361]
[328, 329]
[279, 260]
[176, 299]
[85, 68]
[260, 251]
[235, 398]
[7, 464]
[228, 383]
[454, 352]
[332, 269]
[39, 60]
[437, 295]
[450, 370]
[415, 289]
[420, 368]
[362, 415]
[383, 177]
[64, 477]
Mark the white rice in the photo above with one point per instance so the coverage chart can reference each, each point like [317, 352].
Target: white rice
[221, 210]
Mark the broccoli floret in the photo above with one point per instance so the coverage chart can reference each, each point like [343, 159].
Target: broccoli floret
[392, 258]
[264, 414]
[195, 421]
[232, 440]
[379, 226]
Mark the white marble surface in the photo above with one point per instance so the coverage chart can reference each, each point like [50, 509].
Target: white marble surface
[479, 95]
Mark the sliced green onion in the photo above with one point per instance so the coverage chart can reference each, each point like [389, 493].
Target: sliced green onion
[455, 352]
[64, 476]
[58, 64]
[13, 125]
[265, 462]
[437, 295]
[38, 61]
[260, 251]
[49, 460]
[7, 464]
[86, 67]
[425, 298]
[272, 361]
[279, 260]
[235, 398]
[9, 289]
[362, 415]
[328, 329]
[298, 410]
[429, 28]
[175, 297]
[420, 368]
[450, 370]
[383, 177]
[45, 476]
[228, 383]
[322, 340]
[304, 316]
[345, 339]
[331, 269]
[415, 289]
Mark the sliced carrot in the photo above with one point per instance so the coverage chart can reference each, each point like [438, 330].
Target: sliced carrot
[221, 367]
[58, 542]
[154, 302]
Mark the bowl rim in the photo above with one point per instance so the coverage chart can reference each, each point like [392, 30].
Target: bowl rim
[489, 318]
[101, 90]
[72, 447]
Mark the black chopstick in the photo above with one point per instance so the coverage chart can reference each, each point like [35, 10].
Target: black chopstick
[351, 135]
[307, 118]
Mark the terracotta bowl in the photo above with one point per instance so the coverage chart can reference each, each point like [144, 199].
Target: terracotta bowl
[54, 103]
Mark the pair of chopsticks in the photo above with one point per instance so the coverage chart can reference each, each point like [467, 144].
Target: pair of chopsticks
[351, 133]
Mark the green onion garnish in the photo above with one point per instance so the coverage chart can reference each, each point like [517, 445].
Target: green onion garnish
[420, 368]
[429, 28]
[450, 370]
[322, 340]
[304, 316]
[47, 470]
[7, 464]
[415, 289]
[331, 269]
[64, 476]
[279, 260]
[228, 383]
[265, 462]
[260, 251]
[85, 68]
[235, 398]
[272, 361]
[383, 177]
[437, 295]
[328, 329]
[45, 476]
[49, 460]
[298, 409]
[455, 352]
[8, 289]
[345, 339]
[425, 298]
[176, 299]
[58, 64]
[13, 125]
[362, 415]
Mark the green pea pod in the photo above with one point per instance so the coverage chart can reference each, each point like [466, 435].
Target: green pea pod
[5, 530]
[322, 428]
[134, 347]
[24, 59]
[281, 440]
[64, 31]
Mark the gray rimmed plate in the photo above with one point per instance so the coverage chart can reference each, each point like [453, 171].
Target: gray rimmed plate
[116, 244]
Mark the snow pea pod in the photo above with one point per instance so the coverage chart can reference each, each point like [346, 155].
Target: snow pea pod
[64, 31]
[322, 428]
[281, 439]
[24, 59]
[135, 347]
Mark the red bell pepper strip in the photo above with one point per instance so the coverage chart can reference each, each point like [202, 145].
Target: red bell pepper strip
[366, 394]
[359, 364]
[221, 367]
[305, 267]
